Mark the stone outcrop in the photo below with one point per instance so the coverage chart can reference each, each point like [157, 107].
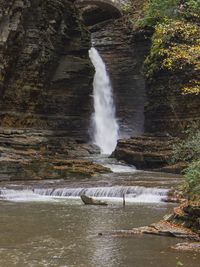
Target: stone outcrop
[162, 228]
[147, 152]
[29, 154]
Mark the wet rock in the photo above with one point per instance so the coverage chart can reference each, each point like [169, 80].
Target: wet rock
[91, 201]
[194, 247]
[162, 228]
[146, 151]
[28, 154]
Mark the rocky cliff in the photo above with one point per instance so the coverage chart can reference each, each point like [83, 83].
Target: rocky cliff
[45, 74]
[45, 83]
[172, 83]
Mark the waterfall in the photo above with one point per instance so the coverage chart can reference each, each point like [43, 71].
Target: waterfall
[135, 194]
[105, 127]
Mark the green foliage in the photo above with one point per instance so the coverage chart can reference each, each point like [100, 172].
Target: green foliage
[132, 13]
[176, 47]
[192, 178]
[188, 149]
[127, 8]
[191, 9]
[159, 10]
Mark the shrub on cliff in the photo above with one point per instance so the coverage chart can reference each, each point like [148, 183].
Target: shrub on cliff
[176, 41]
[156, 11]
[188, 149]
[176, 48]
[192, 179]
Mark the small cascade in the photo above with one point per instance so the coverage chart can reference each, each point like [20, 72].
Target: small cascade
[114, 193]
[24, 195]
[120, 168]
[105, 126]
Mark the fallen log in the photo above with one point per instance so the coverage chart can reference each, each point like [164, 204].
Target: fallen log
[91, 201]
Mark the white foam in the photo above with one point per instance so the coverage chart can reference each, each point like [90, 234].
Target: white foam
[133, 194]
[105, 126]
[119, 168]
[23, 196]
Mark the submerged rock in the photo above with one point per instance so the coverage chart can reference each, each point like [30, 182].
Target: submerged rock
[183, 223]
[187, 246]
[91, 201]
[162, 228]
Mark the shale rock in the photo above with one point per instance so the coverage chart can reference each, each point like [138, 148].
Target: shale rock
[45, 73]
[146, 151]
[28, 154]
[162, 228]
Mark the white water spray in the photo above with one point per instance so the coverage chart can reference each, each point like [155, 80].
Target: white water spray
[133, 194]
[105, 127]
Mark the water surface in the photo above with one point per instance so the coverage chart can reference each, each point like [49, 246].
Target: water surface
[65, 233]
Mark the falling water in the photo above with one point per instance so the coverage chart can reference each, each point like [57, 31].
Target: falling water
[114, 193]
[105, 127]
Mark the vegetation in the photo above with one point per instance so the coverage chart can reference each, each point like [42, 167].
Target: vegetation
[176, 39]
[132, 13]
[192, 179]
[189, 149]
[175, 51]
[175, 42]
[158, 11]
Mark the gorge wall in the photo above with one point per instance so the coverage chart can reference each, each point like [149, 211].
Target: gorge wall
[45, 73]
[45, 83]
[46, 87]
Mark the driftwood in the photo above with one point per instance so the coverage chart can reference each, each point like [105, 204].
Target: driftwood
[90, 201]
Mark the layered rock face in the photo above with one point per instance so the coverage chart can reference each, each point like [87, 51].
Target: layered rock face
[167, 110]
[45, 72]
[146, 151]
[45, 83]
[124, 53]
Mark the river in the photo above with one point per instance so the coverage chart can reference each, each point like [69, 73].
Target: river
[52, 230]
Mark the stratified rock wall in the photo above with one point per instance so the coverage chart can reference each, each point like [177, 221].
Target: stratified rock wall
[45, 74]
[167, 109]
[45, 83]
[124, 53]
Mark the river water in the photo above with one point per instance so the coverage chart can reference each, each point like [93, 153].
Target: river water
[39, 227]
